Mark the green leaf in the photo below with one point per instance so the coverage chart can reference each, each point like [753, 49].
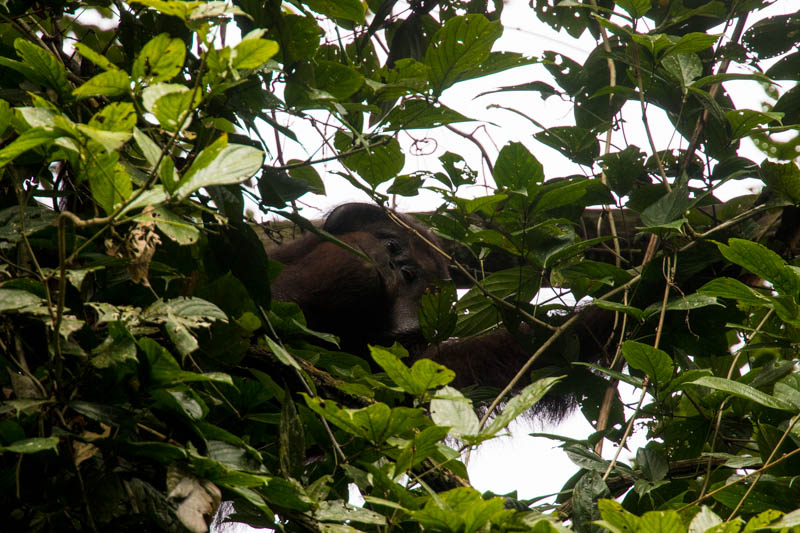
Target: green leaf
[174, 110]
[662, 521]
[666, 227]
[111, 83]
[668, 208]
[615, 516]
[578, 144]
[783, 178]
[490, 237]
[422, 376]
[38, 117]
[451, 408]
[98, 59]
[788, 389]
[487, 205]
[623, 168]
[461, 46]
[48, 70]
[152, 153]
[352, 10]
[117, 116]
[151, 94]
[280, 352]
[437, 317]
[179, 229]
[625, 378]
[635, 8]
[165, 371]
[160, 451]
[653, 462]
[705, 520]
[744, 122]
[22, 68]
[692, 43]
[382, 160]
[728, 76]
[214, 9]
[743, 391]
[406, 185]
[418, 113]
[180, 9]
[34, 445]
[375, 423]
[499, 62]
[6, 113]
[595, 271]
[234, 163]
[252, 53]
[519, 404]
[652, 361]
[477, 312]
[425, 444]
[29, 140]
[735, 290]
[180, 336]
[200, 312]
[161, 59]
[559, 194]
[152, 197]
[345, 513]
[278, 187]
[462, 509]
[118, 348]
[763, 262]
[292, 452]
[109, 181]
[340, 81]
[789, 520]
[110, 140]
[683, 67]
[682, 303]
[516, 167]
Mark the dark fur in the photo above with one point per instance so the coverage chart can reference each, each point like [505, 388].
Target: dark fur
[363, 302]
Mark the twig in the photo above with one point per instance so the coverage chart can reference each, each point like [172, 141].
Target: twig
[471, 137]
[703, 118]
[767, 465]
[629, 428]
[637, 67]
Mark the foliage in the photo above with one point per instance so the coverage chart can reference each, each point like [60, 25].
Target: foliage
[146, 375]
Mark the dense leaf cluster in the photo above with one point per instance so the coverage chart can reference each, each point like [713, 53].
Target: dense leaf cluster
[147, 375]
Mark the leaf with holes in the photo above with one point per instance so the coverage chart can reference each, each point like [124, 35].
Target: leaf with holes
[461, 46]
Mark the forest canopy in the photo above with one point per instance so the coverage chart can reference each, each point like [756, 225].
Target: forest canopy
[148, 375]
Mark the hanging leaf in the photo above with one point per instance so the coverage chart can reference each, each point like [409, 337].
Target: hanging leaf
[458, 48]
[516, 167]
[743, 391]
[234, 163]
[111, 83]
[161, 59]
[652, 361]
